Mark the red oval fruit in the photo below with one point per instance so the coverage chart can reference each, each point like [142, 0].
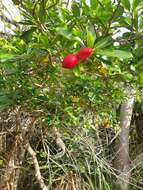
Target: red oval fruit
[70, 61]
[84, 53]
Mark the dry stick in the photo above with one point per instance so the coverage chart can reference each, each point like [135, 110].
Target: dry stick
[37, 168]
[60, 143]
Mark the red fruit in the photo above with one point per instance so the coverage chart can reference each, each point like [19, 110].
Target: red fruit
[70, 61]
[84, 53]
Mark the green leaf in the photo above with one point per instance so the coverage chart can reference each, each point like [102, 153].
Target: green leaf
[138, 52]
[9, 68]
[141, 22]
[141, 78]
[5, 57]
[5, 101]
[42, 10]
[64, 32]
[136, 20]
[16, 2]
[126, 4]
[90, 39]
[27, 35]
[139, 65]
[127, 76]
[126, 22]
[78, 39]
[136, 3]
[1, 163]
[75, 9]
[126, 35]
[94, 4]
[119, 12]
[103, 43]
[115, 53]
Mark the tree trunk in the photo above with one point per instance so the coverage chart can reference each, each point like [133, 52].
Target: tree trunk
[122, 162]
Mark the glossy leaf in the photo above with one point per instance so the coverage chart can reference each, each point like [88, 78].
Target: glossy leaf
[64, 32]
[76, 9]
[115, 53]
[136, 3]
[127, 4]
[119, 12]
[27, 35]
[103, 42]
[42, 10]
[79, 40]
[90, 39]
[141, 78]
[5, 57]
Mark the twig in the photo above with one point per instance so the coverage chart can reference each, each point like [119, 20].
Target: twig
[37, 168]
[115, 137]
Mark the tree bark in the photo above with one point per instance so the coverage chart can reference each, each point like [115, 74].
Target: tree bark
[122, 161]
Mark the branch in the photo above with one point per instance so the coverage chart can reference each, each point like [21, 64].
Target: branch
[37, 168]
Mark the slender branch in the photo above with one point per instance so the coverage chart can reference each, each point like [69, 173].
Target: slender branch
[37, 168]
